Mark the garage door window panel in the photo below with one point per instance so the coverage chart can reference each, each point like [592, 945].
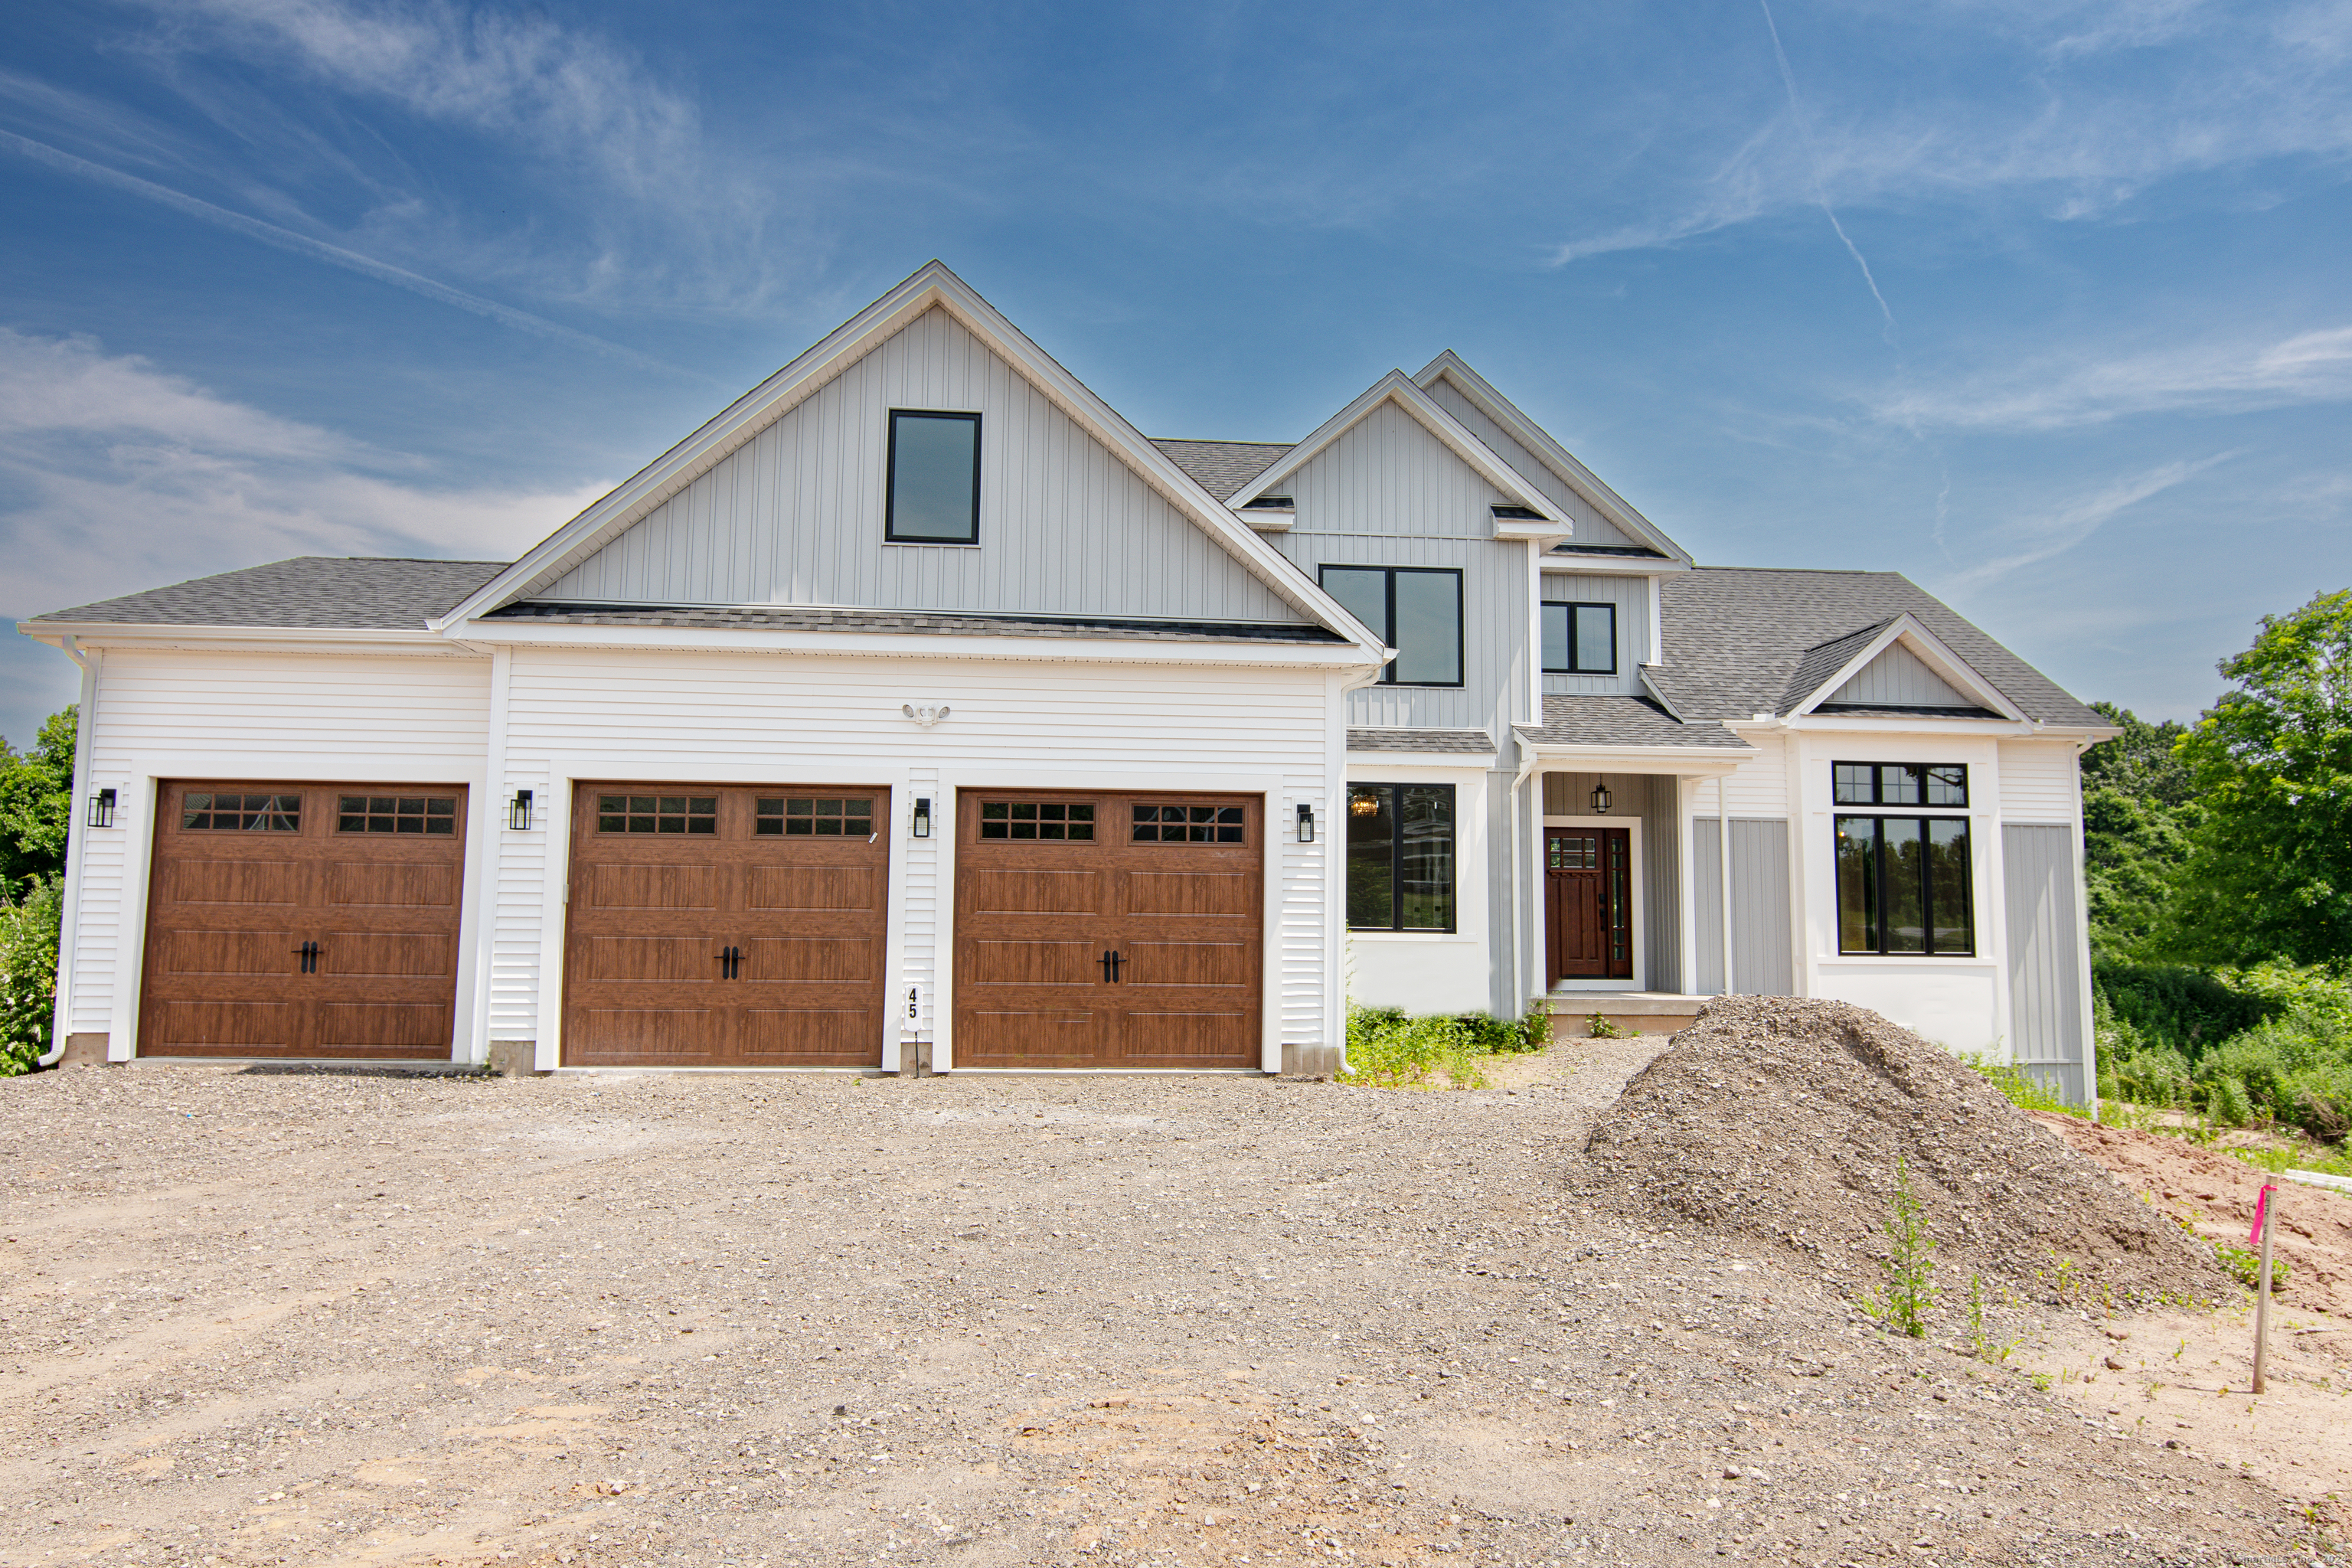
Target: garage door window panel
[812, 816]
[432, 814]
[694, 814]
[212, 812]
[1066, 821]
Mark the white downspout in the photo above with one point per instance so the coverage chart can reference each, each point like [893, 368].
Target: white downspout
[77, 841]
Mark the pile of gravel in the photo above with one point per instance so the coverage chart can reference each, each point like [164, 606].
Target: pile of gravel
[1782, 1120]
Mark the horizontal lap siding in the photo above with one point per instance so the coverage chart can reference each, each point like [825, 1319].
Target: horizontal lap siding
[1759, 786]
[796, 515]
[1591, 528]
[761, 717]
[1632, 597]
[252, 716]
[2038, 782]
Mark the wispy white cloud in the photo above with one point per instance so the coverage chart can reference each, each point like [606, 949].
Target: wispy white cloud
[2214, 378]
[178, 481]
[2036, 540]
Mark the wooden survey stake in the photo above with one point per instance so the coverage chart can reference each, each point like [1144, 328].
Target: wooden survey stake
[2265, 1221]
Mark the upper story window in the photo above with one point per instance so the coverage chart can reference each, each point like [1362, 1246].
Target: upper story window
[934, 494]
[1903, 880]
[1579, 639]
[1416, 609]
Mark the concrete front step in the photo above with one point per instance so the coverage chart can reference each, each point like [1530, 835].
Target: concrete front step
[1635, 1012]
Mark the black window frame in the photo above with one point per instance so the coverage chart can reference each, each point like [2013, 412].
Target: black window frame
[1877, 894]
[1388, 631]
[890, 534]
[1572, 607]
[1396, 857]
[1923, 776]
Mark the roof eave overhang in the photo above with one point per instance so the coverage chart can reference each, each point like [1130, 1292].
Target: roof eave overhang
[1605, 565]
[1481, 762]
[1572, 472]
[932, 285]
[919, 645]
[1898, 724]
[1679, 760]
[137, 634]
[1400, 388]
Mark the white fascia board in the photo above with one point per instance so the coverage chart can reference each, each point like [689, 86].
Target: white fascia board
[1462, 761]
[931, 284]
[886, 645]
[1399, 388]
[1897, 724]
[1683, 761]
[1931, 651]
[1558, 458]
[1609, 565]
[272, 639]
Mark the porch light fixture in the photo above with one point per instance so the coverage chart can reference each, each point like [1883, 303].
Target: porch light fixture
[922, 816]
[518, 812]
[101, 809]
[1305, 823]
[1600, 800]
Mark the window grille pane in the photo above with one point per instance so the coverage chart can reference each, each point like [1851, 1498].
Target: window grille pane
[1904, 872]
[1950, 930]
[1899, 783]
[429, 814]
[1596, 638]
[1065, 821]
[1555, 639]
[1857, 884]
[1428, 628]
[213, 813]
[1425, 858]
[691, 814]
[803, 816]
[1947, 785]
[934, 478]
[1371, 856]
[1851, 784]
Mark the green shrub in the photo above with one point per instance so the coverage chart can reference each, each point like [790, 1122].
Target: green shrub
[1387, 1048]
[2021, 1089]
[28, 973]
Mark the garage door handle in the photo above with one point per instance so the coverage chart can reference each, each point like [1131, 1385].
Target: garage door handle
[310, 952]
[731, 963]
[1110, 962]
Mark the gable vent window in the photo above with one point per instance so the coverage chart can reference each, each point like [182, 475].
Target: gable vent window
[1417, 610]
[1903, 881]
[1518, 514]
[934, 490]
[1579, 639]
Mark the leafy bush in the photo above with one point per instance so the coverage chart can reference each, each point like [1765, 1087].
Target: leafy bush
[28, 973]
[2271, 1043]
[1387, 1048]
[2021, 1089]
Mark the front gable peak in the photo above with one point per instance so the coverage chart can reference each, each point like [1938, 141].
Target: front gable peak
[1894, 666]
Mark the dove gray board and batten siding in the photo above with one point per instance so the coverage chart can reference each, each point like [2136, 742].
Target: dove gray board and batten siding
[2040, 887]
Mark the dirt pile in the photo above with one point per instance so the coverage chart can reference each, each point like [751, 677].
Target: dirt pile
[1782, 1120]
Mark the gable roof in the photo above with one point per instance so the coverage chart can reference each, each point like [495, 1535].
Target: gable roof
[1222, 466]
[931, 287]
[1588, 486]
[1400, 389]
[324, 591]
[1742, 640]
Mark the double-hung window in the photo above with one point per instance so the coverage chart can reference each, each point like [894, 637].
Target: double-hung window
[1903, 871]
[1418, 611]
[933, 495]
[1400, 857]
[1578, 639]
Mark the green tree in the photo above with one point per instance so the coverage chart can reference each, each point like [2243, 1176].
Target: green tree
[2139, 804]
[37, 804]
[2270, 869]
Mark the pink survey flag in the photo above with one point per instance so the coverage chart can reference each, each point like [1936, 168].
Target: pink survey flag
[2262, 1204]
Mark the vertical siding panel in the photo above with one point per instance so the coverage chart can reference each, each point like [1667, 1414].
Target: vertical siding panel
[1761, 952]
[1591, 528]
[1632, 597]
[1707, 896]
[2045, 943]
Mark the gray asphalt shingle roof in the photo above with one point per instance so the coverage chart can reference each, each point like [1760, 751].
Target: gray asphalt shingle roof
[1737, 637]
[1825, 660]
[349, 593]
[1620, 722]
[1469, 743]
[1224, 466]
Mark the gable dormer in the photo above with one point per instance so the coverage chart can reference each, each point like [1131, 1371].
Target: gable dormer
[1896, 665]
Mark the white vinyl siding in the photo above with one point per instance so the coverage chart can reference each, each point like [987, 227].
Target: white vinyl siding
[250, 716]
[1897, 679]
[1759, 786]
[758, 718]
[1590, 527]
[1632, 597]
[2038, 782]
[795, 515]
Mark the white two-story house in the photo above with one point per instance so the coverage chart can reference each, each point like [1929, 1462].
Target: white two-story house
[919, 706]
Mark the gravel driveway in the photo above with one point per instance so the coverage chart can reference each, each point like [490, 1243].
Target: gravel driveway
[315, 1317]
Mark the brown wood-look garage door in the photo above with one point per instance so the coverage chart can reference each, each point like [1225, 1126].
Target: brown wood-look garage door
[303, 920]
[1097, 929]
[726, 926]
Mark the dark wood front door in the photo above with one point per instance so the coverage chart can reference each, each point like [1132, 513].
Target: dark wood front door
[1108, 929]
[303, 920]
[1589, 903]
[728, 926]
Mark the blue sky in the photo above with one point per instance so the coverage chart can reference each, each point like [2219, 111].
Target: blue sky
[2047, 305]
